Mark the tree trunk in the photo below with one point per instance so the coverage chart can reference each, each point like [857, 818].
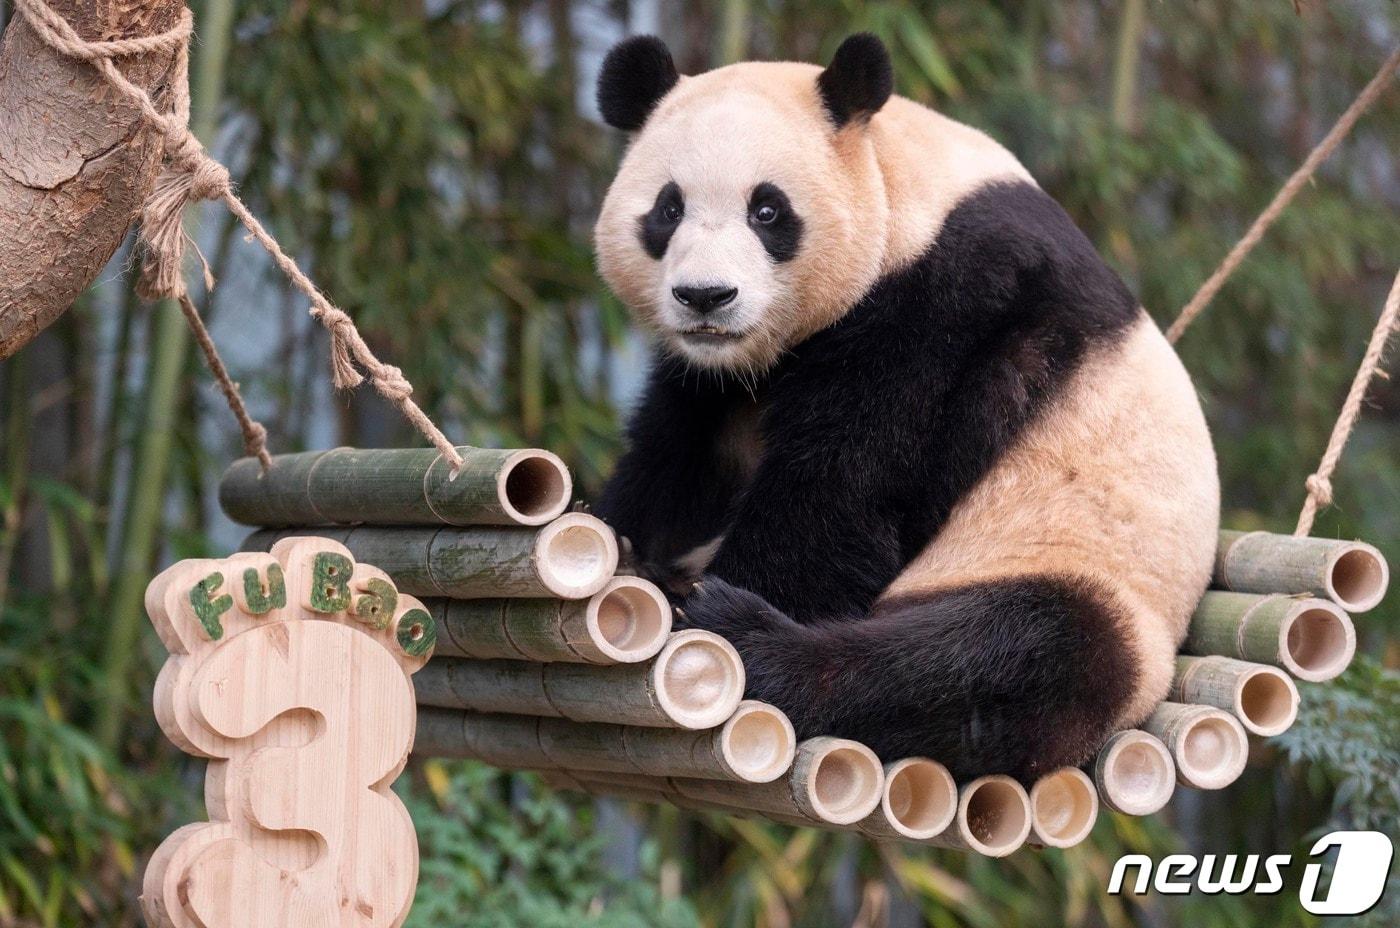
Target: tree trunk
[76, 162]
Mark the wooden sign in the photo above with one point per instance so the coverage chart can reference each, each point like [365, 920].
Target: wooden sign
[290, 671]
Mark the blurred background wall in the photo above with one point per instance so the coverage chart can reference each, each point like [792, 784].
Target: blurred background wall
[436, 166]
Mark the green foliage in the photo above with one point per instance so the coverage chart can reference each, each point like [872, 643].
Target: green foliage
[528, 859]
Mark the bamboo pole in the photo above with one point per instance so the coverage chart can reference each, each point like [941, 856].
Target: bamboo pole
[918, 802]
[572, 557]
[398, 486]
[625, 622]
[993, 817]
[1209, 746]
[1310, 638]
[1263, 698]
[832, 781]
[1135, 773]
[755, 745]
[1064, 807]
[166, 355]
[1351, 574]
[695, 682]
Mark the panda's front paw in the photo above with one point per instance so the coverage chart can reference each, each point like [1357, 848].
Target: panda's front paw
[740, 617]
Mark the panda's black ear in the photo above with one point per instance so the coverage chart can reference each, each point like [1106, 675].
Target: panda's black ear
[858, 81]
[636, 74]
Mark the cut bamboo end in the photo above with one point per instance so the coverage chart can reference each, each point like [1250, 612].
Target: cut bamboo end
[625, 622]
[993, 817]
[757, 744]
[1358, 577]
[575, 556]
[835, 780]
[698, 679]
[1352, 574]
[1210, 748]
[1318, 641]
[1263, 698]
[919, 801]
[1064, 807]
[1135, 773]
[533, 487]
[1313, 639]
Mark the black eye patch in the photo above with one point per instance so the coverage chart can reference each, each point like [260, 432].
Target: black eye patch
[773, 220]
[657, 225]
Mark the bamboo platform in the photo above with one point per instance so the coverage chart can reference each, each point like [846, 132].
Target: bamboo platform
[548, 660]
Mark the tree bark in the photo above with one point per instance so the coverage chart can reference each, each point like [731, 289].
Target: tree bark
[76, 161]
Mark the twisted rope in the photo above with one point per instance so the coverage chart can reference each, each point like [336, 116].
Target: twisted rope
[1320, 483]
[1285, 196]
[191, 174]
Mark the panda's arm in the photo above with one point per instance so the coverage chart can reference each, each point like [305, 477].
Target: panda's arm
[672, 490]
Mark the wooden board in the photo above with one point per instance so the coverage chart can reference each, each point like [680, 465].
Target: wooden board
[291, 672]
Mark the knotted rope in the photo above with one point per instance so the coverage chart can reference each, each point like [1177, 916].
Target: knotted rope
[1320, 483]
[190, 174]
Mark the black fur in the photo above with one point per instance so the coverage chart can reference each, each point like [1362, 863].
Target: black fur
[1020, 677]
[782, 236]
[635, 75]
[858, 81]
[872, 430]
[656, 227]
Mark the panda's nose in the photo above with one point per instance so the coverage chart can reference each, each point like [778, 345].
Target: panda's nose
[704, 299]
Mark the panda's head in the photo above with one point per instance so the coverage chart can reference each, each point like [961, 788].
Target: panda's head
[749, 211]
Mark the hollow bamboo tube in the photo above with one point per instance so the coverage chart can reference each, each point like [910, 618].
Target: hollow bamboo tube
[832, 781]
[1310, 638]
[1207, 744]
[919, 801]
[1352, 574]
[1263, 698]
[572, 557]
[625, 622]
[1064, 807]
[993, 817]
[1135, 773]
[507, 741]
[398, 486]
[755, 745]
[695, 682]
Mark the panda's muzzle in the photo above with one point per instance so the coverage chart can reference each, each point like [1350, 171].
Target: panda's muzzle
[704, 300]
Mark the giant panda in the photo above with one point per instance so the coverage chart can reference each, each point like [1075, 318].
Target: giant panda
[907, 441]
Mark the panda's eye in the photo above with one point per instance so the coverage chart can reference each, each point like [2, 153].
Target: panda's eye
[671, 212]
[766, 214]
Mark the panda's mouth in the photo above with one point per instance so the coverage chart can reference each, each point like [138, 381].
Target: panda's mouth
[710, 335]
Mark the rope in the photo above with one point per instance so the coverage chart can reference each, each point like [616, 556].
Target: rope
[191, 174]
[1285, 196]
[1320, 483]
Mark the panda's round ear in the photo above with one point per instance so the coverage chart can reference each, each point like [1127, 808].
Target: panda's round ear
[636, 74]
[858, 81]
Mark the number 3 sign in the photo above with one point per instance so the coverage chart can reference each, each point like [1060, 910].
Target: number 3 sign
[290, 672]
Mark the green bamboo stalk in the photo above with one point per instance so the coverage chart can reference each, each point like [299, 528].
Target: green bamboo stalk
[1134, 772]
[625, 622]
[755, 745]
[572, 558]
[17, 432]
[695, 682]
[1352, 574]
[145, 504]
[1209, 747]
[1263, 698]
[1310, 638]
[397, 486]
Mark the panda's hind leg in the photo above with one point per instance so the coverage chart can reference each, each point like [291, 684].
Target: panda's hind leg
[1017, 676]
